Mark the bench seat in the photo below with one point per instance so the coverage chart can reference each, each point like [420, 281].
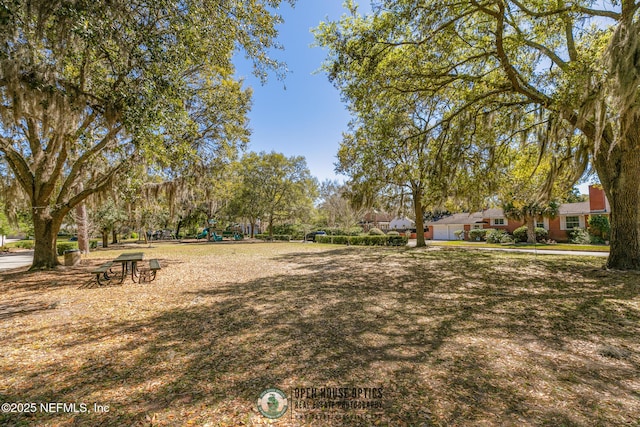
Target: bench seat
[154, 264]
[102, 271]
[149, 274]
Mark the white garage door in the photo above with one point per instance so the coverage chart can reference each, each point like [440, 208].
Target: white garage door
[440, 232]
[446, 232]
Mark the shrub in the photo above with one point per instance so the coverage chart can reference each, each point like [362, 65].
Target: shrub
[134, 235]
[364, 240]
[599, 226]
[477, 233]
[393, 233]
[265, 236]
[397, 240]
[93, 244]
[495, 236]
[62, 247]
[376, 232]
[579, 236]
[459, 234]
[520, 234]
[353, 231]
[25, 244]
[506, 238]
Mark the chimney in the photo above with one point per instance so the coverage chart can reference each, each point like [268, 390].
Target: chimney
[597, 199]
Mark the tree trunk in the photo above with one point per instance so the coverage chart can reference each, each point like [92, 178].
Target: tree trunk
[82, 224]
[83, 229]
[105, 238]
[114, 235]
[178, 228]
[45, 229]
[419, 211]
[531, 229]
[619, 169]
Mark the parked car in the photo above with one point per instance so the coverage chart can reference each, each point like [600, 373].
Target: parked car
[312, 236]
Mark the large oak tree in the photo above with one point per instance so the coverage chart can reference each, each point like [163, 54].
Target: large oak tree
[577, 59]
[89, 87]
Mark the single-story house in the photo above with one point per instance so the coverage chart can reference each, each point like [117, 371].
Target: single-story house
[401, 224]
[376, 219]
[570, 215]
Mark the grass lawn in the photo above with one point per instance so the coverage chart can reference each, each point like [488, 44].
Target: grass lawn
[556, 246]
[441, 336]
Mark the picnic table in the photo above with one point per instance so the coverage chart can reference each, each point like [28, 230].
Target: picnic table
[129, 263]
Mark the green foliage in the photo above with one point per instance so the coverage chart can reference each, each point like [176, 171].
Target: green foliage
[66, 246]
[24, 244]
[393, 233]
[93, 90]
[274, 188]
[556, 82]
[506, 239]
[280, 237]
[365, 240]
[459, 234]
[93, 244]
[495, 235]
[579, 236]
[376, 232]
[353, 231]
[336, 211]
[520, 234]
[599, 226]
[478, 233]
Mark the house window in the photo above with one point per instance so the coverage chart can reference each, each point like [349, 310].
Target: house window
[477, 226]
[540, 224]
[572, 222]
[498, 221]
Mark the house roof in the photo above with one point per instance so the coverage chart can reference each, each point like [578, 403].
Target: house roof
[460, 218]
[374, 216]
[580, 208]
[493, 213]
[402, 223]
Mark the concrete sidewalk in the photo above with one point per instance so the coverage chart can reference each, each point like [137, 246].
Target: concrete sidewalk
[547, 252]
[412, 243]
[15, 260]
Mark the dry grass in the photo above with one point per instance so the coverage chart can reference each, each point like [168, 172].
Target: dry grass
[453, 337]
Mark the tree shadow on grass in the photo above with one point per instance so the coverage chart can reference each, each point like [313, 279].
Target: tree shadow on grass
[452, 339]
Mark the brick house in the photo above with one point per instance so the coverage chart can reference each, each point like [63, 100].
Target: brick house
[570, 215]
[375, 219]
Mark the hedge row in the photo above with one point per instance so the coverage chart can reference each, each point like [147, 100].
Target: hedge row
[61, 247]
[364, 240]
[284, 237]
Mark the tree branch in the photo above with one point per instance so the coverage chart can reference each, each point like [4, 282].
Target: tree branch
[82, 161]
[566, 9]
[19, 166]
[513, 76]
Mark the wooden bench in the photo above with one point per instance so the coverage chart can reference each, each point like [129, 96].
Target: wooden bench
[149, 274]
[103, 271]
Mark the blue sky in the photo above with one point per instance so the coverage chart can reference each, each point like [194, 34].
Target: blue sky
[303, 114]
